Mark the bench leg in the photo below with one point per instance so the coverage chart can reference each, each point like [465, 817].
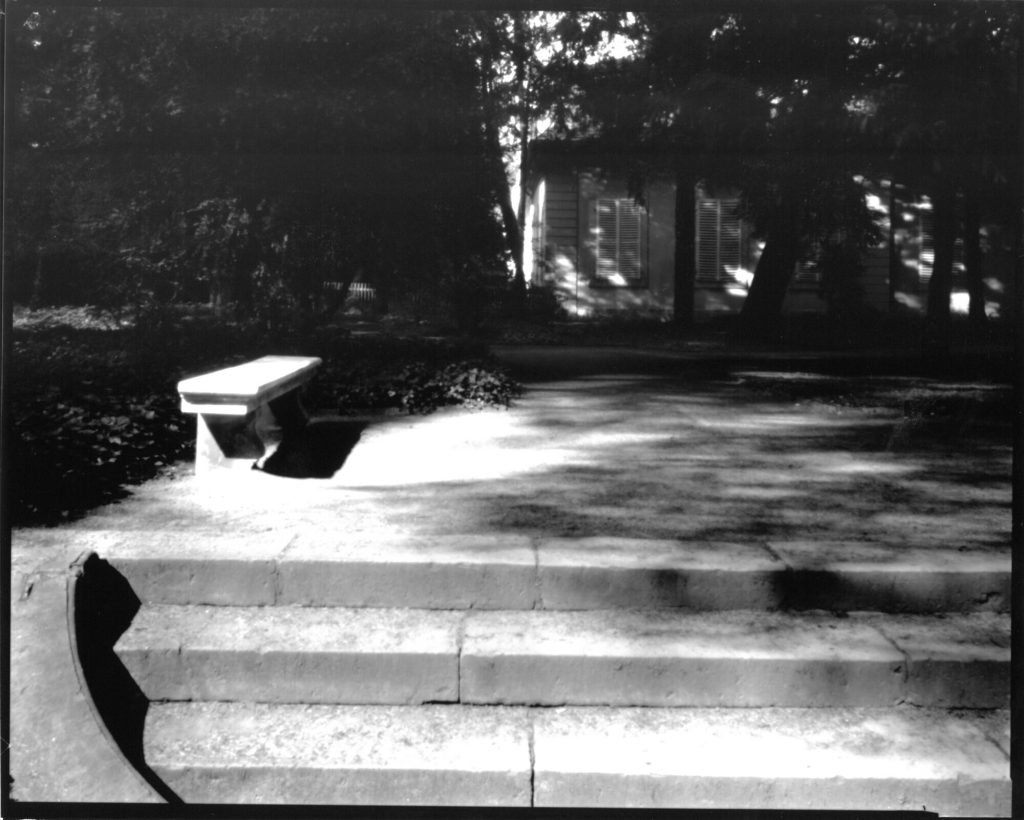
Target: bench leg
[245, 442]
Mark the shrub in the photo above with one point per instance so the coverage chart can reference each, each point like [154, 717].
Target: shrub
[411, 375]
[419, 388]
[85, 423]
[93, 411]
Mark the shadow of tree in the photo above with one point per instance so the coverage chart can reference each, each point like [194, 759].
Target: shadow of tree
[709, 458]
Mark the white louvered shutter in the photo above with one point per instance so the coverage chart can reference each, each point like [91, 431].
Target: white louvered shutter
[729, 238]
[719, 239]
[926, 248]
[630, 227]
[607, 227]
[619, 239]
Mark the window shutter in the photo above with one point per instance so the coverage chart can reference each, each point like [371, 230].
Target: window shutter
[629, 239]
[607, 224]
[619, 239]
[719, 239]
[730, 248]
[925, 248]
[707, 240]
[806, 272]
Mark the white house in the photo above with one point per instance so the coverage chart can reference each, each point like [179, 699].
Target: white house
[607, 251]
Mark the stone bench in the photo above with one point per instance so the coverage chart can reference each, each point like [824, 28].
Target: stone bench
[243, 412]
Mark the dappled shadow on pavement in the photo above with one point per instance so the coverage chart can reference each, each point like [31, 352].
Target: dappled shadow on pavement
[685, 456]
[660, 458]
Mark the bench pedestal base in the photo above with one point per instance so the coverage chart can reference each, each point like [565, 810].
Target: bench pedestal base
[245, 442]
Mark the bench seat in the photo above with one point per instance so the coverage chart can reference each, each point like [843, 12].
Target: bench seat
[244, 411]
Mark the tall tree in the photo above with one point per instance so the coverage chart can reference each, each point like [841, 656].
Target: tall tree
[942, 83]
[531, 63]
[799, 188]
[358, 130]
[926, 91]
[506, 46]
[739, 107]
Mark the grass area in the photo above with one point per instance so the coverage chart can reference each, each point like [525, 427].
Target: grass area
[95, 407]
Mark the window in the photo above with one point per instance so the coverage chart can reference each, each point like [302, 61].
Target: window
[806, 273]
[619, 233]
[719, 240]
[926, 248]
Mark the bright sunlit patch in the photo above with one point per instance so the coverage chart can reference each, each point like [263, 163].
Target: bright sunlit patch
[758, 493]
[790, 421]
[874, 203]
[793, 376]
[458, 447]
[730, 424]
[741, 275]
[614, 47]
[602, 439]
[868, 467]
[909, 300]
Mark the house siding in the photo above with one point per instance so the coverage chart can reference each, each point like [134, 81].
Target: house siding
[563, 246]
[556, 258]
[873, 282]
[566, 261]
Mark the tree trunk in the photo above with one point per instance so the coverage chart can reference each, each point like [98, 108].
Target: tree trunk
[218, 293]
[938, 324]
[383, 284]
[686, 250]
[514, 238]
[895, 263]
[38, 282]
[762, 308]
[503, 191]
[973, 259]
[523, 82]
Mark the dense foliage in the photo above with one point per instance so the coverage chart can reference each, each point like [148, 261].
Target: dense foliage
[788, 104]
[247, 157]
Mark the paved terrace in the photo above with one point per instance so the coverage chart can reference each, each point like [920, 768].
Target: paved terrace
[611, 445]
[683, 456]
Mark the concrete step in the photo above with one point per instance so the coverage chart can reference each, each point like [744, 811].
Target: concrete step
[509, 571]
[293, 654]
[868, 759]
[618, 657]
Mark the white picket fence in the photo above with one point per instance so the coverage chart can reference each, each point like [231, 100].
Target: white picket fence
[359, 293]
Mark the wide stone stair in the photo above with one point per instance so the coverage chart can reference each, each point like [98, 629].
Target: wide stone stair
[315, 668]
